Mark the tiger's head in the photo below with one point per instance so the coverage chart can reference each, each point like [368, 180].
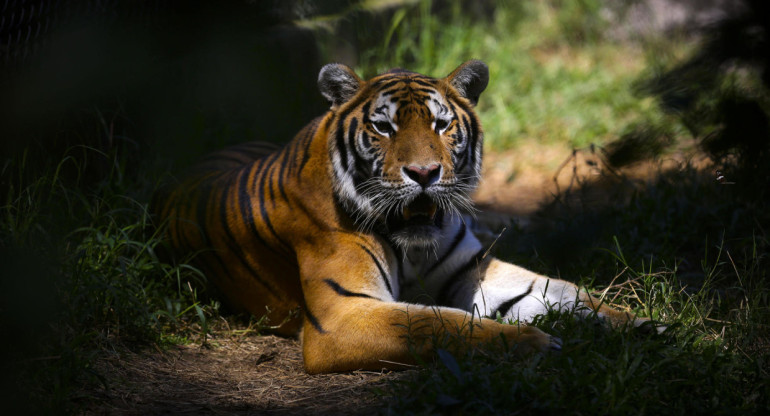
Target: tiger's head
[405, 148]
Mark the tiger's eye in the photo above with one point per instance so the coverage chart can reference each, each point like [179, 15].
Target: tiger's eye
[441, 124]
[383, 127]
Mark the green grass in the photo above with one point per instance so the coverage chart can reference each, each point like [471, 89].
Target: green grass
[553, 78]
[82, 273]
[598, 372]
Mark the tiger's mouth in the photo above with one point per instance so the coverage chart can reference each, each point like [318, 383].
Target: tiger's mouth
[417, 216]
[418, 224]
[421, 209]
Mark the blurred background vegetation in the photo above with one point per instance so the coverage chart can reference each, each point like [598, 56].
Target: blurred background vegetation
[100, 101]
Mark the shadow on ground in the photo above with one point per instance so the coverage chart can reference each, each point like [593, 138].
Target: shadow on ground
[236, 375]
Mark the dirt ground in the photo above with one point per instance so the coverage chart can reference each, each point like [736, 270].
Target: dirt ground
[249, 375]
[243, 375]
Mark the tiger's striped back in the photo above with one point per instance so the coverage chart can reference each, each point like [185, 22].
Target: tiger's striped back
[225, 209]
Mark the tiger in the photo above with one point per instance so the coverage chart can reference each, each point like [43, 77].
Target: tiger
[356, 234]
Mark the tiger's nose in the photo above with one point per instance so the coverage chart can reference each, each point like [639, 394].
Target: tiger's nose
[425, 176]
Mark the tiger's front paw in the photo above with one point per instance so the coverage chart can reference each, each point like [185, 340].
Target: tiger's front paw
[555, 344]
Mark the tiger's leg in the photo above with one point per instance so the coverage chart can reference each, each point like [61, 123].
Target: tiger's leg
[517, 293]
[353, 322]
[480, 282]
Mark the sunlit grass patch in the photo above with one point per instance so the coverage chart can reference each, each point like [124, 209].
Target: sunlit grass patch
[551, 80]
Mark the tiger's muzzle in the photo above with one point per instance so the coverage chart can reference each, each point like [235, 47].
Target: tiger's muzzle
[418, 223]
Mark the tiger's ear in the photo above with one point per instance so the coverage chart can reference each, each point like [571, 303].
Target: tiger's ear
[338, 83]
[470, 79]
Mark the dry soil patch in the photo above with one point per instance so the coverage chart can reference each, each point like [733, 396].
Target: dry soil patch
[245, 375]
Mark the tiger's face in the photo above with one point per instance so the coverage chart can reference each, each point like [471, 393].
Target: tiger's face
[405, 148]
